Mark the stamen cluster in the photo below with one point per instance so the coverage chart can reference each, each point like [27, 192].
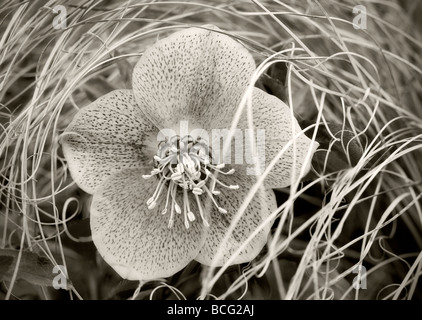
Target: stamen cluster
[184, 165]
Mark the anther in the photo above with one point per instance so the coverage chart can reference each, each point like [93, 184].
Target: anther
[176, 176]
[200, 184]
[197, 191]
[191, 216]
[222, 210]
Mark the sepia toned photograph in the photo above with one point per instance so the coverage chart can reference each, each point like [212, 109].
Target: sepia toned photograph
[223, 150]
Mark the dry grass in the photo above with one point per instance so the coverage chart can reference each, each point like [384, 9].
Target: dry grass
[365, 211]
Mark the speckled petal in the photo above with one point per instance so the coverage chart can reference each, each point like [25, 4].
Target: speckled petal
[274, 116]
[259, 209]
[134, 240]
[189, 76]
[108, 135]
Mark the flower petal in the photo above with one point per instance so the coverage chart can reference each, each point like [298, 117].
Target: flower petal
[107, 136]
[274, 116]
[134, 240]
[189, 76]
[260, 207]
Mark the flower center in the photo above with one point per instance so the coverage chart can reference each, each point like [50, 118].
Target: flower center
[184, 165]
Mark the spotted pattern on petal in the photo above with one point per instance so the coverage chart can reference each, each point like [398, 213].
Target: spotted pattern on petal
[274, 116]
[109, 135]
[190, 76]
[136, 241]
[260, 207]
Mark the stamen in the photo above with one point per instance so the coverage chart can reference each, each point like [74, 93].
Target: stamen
[201, 212]
[232, 187]
[185, 207]
[171, 220]
[167, 201]
[220, 209]
[191, 216]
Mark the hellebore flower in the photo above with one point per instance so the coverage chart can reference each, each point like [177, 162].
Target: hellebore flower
[161, 198]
